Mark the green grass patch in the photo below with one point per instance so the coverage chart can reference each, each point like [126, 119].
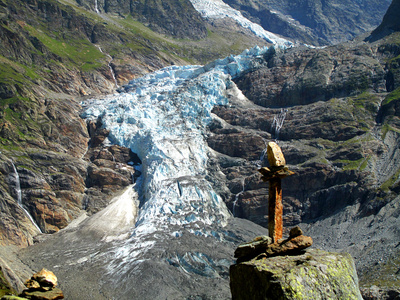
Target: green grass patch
[364, 164]
[77, 50]
[394, 95]
[386, 128]
[390, 182]
[11, 71]
[367, 101]
[359, 164]
[350, 164]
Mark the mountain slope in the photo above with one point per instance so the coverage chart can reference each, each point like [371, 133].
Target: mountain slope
[175, 18]
[50, 53]
[314, 22]
[389, 23]
[334, 111]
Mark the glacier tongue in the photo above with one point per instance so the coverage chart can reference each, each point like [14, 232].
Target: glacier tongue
[163, 118]
[217, 9]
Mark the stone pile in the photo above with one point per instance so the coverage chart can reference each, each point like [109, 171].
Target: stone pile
[42, 286]
[263, 247]
[270, 267]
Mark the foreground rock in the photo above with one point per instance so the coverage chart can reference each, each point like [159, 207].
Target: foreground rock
[42, 286]
[262, 247]
[315, 274]
[376, 293]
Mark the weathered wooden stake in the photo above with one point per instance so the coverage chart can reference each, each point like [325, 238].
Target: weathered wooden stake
[274, 174]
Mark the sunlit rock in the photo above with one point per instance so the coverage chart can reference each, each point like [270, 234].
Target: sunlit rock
[316, 274]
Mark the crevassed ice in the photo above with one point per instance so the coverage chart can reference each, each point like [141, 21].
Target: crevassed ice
[163, 117]
[217, 9]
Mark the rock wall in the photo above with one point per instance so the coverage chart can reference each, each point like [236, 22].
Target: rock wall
[174, 18]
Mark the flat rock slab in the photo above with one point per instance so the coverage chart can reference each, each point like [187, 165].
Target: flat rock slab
[53, 294]
[253, 248]
[315, 275]
[263, 247]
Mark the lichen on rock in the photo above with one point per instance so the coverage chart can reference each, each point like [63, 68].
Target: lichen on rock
[315, 274]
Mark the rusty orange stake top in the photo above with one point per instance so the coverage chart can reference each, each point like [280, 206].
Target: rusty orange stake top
[274, 174]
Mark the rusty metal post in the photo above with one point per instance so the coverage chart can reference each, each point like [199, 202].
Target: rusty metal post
[274, 174]
[275, 210]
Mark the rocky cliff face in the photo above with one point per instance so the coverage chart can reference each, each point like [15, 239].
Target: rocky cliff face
[333, 116]
[314, 22]
[176, 18]
[389, 23]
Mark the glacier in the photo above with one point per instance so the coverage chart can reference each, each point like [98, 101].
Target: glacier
[217, 9]
[163, 118]
[181, 220]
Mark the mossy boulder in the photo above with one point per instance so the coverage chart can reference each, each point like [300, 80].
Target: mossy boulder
[315, 274]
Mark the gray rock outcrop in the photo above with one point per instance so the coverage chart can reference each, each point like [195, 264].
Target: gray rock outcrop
[315, 274]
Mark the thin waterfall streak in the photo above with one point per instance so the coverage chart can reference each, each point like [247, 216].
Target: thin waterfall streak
[263, 153]
[19, 197]
[109, 66]
[96, 7]
[237, 197]
[277, 123]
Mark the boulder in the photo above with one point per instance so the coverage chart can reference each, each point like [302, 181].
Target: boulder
[315, 274]
[45, 278]
[42, 286]
[256, 246]
[263, 246]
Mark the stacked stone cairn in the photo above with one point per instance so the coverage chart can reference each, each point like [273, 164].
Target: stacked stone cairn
[270, 267]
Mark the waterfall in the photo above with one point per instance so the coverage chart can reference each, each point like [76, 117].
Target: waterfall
[109, 65]
[237, 197]
[96, 7]
[278, 122]
[19, 197]
[263, 153]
